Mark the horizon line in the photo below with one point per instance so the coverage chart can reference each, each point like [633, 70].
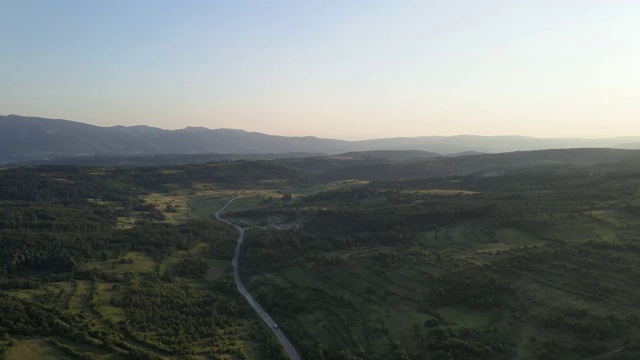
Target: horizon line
[573, 137]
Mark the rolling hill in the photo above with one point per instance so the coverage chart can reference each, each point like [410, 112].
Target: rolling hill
[25, 139]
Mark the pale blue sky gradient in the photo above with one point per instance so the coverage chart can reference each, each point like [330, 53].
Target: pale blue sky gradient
[340, 69]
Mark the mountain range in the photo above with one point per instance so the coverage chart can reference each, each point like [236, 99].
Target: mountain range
[24, 139]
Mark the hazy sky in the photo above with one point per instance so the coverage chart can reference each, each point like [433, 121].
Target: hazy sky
[340, 69]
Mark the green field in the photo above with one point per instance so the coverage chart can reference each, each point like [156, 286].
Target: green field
[36, 349]
[79, 302]
[464, 317]
[301, 277]
[106, 294]
[133, 261]
[203, 206]
[217, 269]
[178, 202]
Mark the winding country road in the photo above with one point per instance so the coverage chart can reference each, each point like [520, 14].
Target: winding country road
[293, 354]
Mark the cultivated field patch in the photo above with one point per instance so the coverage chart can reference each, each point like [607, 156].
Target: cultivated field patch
[174, 206]
[81, 297]
[301, 277]
[108, 294]
[461, 316]
[217, 269]
[35, 349]
[133, 261]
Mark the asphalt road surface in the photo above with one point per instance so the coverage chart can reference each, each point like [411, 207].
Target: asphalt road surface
[293, 354]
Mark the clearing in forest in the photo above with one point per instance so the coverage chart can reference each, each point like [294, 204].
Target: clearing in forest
[81, 297]
[133, 261]
[35, 349]
[106, 294]
[217, 269]
[460, 316]
[301, 277]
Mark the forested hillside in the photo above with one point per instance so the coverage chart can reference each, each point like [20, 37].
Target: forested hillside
[528, 256]
[530, 264]
[120, 263]
[412, 165]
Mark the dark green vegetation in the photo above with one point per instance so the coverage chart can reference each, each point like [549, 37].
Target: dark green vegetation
[160, 160]
[417, 165]
[74, 283]
[531, 255]
[528, 262]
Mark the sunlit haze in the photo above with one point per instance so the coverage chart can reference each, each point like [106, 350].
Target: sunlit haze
[337, 69]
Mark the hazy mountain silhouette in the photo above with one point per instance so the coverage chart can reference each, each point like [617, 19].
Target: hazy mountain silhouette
[32, 138]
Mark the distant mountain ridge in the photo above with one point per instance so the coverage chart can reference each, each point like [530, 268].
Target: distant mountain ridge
[390, 167]
[32, 138]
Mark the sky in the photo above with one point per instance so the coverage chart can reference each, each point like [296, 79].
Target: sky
[341, 69]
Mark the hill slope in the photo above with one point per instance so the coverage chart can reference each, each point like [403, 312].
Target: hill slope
[343, 167]
[32, 138]
[29, 138]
